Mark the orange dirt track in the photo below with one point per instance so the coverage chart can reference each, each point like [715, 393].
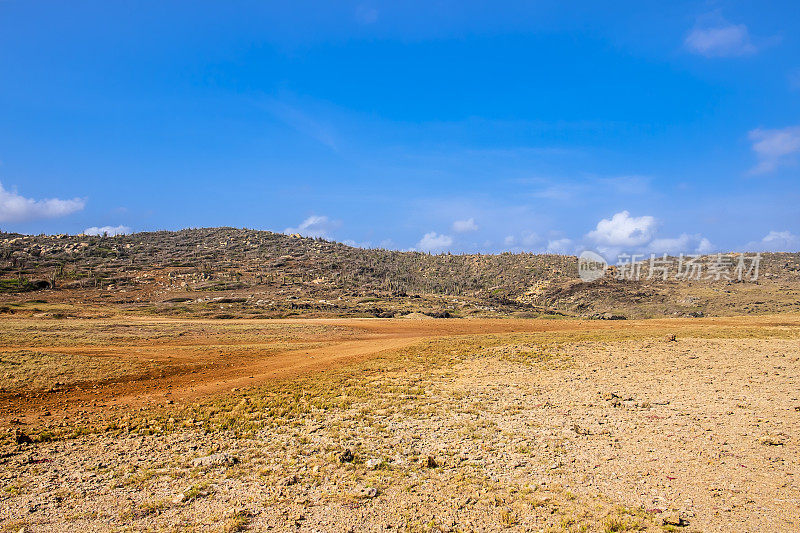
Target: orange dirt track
[366, 338]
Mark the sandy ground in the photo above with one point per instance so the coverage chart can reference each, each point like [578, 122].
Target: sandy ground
[204, 363]
[191, 363]
[453, 426]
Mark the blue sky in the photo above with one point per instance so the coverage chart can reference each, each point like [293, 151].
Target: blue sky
[461, 126]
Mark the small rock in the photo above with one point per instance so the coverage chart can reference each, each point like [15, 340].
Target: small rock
[239, 512]
[580, 430]
[366, 492]
[346, 456]
[772, 440]
[215, 459]
[429, 462]
[373, 463]
[670, 337]
[674, 518]
[289, 480]
[21, 438]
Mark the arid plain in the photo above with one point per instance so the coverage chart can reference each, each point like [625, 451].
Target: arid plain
[163, 424]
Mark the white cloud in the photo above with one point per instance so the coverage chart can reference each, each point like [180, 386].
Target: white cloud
[356, 244]
[705, 246]
[315, 226]
[434, 242]
[623, 230]
[510, 240]
[107, 230]
[775, 241]
[721, 41]
[465, 226]
[684, 244]
[560, 246]
[17, 208]
[636, 235]
[530, 238]
[774, 147]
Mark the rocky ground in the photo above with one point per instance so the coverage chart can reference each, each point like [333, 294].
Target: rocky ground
[530, 432]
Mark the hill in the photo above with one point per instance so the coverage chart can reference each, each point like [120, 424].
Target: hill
[228, 272]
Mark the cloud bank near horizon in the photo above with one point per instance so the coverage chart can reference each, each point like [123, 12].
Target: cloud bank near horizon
[17, 208]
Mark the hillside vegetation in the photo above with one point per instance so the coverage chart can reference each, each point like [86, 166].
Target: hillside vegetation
[228, 272]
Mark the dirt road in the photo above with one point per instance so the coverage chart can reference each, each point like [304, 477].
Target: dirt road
[188, 362]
